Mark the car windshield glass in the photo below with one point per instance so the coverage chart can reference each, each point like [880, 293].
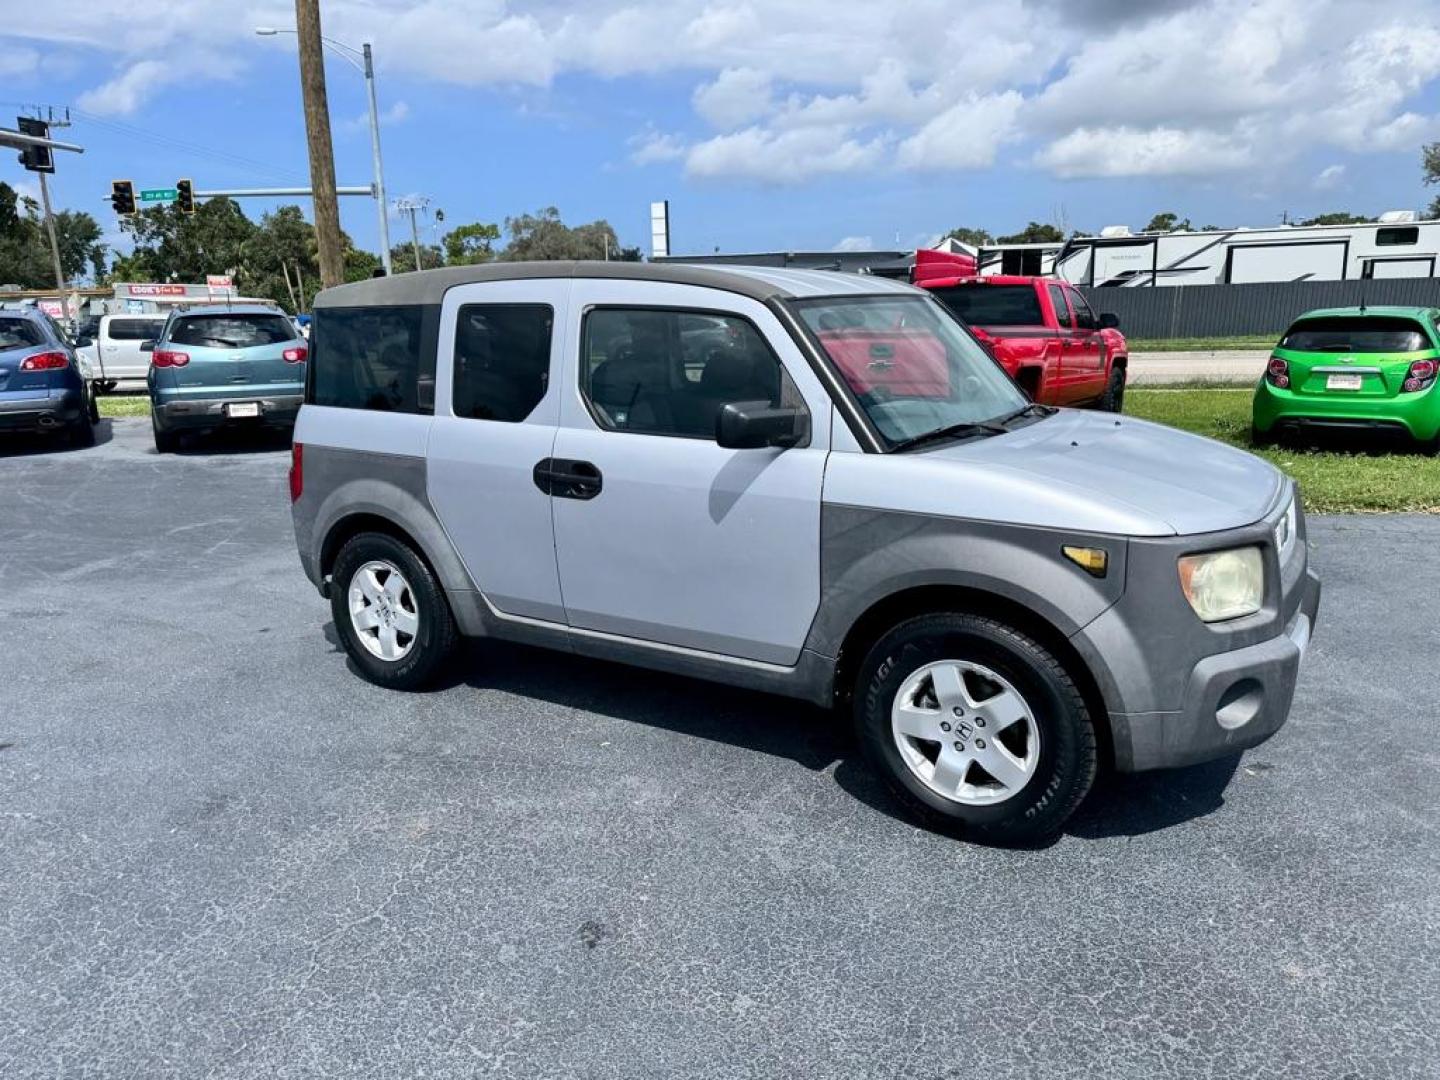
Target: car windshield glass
[911, 366]
[1370, 334]
[135, 329]
[994, 305]
[232, 331]
[19, 334]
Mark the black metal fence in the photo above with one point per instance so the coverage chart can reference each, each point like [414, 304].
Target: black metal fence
[1191, 311]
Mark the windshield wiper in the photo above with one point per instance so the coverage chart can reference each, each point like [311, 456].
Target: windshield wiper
[953, 431]
[1033, 409]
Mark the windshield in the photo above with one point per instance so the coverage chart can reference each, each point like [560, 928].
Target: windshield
[19, 334]
[910, 365]
[994, 305]
[232, 331]
[1374, 334]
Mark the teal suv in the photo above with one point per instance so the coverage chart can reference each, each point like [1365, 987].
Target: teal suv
[220, 366]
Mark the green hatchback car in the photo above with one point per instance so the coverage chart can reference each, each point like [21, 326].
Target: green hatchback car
[1354, 368]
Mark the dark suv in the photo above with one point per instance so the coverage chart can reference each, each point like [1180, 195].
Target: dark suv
[43, 386]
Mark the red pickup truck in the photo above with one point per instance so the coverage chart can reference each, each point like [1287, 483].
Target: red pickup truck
[1044, 334]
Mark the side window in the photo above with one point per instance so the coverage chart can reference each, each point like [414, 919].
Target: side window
[668, 372]
[378, 358]
[1062, 309]
[1084, 317]
[502, 360]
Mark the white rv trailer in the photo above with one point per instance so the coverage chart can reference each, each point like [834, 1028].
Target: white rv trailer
[1398, 245]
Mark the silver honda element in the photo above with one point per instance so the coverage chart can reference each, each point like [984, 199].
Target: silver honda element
[808, 483]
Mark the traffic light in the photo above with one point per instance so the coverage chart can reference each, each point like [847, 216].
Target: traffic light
[122, 197]
[185, 196]
[36, 158]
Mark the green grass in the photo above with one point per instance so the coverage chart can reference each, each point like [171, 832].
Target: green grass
[1374, 477]
[1213, 344]
[124, 405]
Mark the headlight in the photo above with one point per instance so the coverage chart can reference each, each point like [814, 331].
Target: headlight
[1224, 584]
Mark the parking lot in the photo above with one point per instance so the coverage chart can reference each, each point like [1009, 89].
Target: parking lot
[223, 854]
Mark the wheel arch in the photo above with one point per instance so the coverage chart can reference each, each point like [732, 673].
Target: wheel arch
[372, 519]
[905, 604]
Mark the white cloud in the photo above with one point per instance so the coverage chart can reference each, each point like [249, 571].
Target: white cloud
[968, 134]
[651, 146]
[735, 98]
[1162, 151]
[785, 157]
[1329, 178]
[854, 243]
[138, 83]
[395, 114]
[19, 61]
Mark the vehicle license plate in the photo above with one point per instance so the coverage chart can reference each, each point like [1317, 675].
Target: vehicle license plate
[252, 408]
[1344, 381]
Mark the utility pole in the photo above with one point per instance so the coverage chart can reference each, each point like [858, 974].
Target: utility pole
[409, 205]
[379, 168]
[317, 132]
[60, 281]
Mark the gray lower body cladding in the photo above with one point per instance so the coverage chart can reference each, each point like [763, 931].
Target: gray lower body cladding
[279, 410]
[58, 408]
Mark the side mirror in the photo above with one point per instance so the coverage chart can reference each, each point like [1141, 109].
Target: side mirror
[1109, 320]
[148, 345]
[753, 425]
[84, 342]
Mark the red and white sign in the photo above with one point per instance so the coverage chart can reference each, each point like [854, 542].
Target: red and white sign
[157, 290]
[54, 308]
[219, 281]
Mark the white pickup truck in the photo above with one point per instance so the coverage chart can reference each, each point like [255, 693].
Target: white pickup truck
[117, 350]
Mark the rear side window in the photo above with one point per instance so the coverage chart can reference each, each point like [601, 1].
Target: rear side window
[994, 305]
[19, 334]
[1062, 309]
[1364, 334]
[378, 358]
[502, 360]
[231, 331]
[134, 329]
[1397, 236]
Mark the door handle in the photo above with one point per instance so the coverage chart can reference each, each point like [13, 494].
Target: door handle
[567, 479]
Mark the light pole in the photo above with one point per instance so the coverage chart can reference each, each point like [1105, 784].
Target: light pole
[361, 60]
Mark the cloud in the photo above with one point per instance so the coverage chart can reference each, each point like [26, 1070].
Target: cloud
[395, 114]
[736, 97]
[1329, 178]
[1162, 151]
[780, 158]
[854, 243]
[18, 61]
[139, 82]
[651, 146]
[966, 135]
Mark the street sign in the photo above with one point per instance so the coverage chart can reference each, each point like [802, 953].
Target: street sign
[163, 194]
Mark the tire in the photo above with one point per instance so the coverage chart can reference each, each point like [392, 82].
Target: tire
[1007, 683]
[166, 442]
[82, 431]
[94, 405]
[1260, 438]
[365, 567]
[1113, 400]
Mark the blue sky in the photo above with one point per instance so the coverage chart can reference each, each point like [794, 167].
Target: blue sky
[767, 128]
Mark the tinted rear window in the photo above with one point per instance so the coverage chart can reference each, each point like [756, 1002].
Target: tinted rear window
[379, 358]
[135, 329]
[1371, 334]
[231, 331]
[19, 334]
[994, 305]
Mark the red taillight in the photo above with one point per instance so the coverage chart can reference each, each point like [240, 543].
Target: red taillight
[169, 358]
[45, 361]
[1277, 372]
[1421, 376]
[297, 471]
[296, 355]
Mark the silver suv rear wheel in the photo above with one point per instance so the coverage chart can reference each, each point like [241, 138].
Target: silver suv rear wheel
[383, 611]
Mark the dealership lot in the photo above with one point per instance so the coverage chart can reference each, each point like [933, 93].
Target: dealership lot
[223, 854]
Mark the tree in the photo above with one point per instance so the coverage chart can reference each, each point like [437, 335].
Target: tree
[543, 236]
[1034, 233]
[1167, 221]
[402, 257]
[171, 246]
[966, 235]
[25, 258]
[469, 244]
[1339, 218]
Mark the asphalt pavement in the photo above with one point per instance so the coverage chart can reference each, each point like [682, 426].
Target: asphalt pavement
[224, 855]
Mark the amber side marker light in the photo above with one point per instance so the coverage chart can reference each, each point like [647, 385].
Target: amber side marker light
[1094, 561]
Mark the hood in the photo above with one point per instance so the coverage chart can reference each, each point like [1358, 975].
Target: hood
[1114, 474]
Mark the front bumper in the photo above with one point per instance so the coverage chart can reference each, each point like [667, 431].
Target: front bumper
[1416, 414]
[1179, 691]
[41, 413]
[276, 409]
[1232, 700]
